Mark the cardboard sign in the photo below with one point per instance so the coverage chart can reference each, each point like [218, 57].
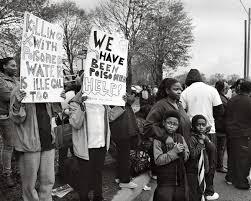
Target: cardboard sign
[41, 73]
[106, 69]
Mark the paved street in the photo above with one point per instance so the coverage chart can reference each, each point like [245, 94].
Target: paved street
[226, 192]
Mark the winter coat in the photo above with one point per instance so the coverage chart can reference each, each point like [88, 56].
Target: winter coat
[25, 122]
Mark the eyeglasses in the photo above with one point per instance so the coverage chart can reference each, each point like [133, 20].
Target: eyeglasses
[169, 123]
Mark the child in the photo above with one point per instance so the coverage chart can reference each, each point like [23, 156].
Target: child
[202, 159]
[170, 153]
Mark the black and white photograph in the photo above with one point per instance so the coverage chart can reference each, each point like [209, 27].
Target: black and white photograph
[125, 100]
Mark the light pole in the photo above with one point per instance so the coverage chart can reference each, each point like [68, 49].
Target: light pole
[248, 45]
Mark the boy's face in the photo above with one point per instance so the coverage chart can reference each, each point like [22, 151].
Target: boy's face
[171, 124]
[201, 126]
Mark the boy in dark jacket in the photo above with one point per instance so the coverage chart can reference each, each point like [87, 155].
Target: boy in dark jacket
[202, 159]
[170, 155]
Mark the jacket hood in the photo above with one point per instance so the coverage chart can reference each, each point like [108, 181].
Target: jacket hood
[193, 76]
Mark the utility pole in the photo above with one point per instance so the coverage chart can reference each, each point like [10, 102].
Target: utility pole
[248, 42]
[245, 49]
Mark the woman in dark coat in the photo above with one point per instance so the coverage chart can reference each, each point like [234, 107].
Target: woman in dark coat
[8, 81]
[167, 99]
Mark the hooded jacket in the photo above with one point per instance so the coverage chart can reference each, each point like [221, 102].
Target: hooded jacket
[25, 122]
[192, 77]
[78, 121]
[7, 84]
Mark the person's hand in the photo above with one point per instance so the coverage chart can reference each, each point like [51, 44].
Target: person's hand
[124, 98]
[169, 142]
[60, 115]
[201, 141]
[178, 148]
[62, 94]
[203, 137]
[130, 98]
[67, 111]
[84, 98]
[20, 95]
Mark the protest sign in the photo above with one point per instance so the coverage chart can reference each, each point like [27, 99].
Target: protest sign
[106, 69]
[41, 67]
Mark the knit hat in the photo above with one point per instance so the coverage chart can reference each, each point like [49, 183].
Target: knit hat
[193, 76]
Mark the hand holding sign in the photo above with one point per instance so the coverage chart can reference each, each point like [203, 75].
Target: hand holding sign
[20, 95]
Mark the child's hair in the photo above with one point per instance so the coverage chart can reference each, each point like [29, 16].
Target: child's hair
[171, 113]
[195, 120]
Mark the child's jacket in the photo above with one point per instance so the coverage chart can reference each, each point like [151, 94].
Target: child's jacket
[170, 168]
[195, 148]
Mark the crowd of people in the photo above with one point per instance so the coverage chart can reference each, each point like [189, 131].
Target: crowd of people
[186, 130]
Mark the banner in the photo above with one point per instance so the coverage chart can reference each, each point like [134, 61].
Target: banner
[106, 69]
[41, 70]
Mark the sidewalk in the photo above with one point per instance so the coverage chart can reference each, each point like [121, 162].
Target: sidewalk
[111, 190]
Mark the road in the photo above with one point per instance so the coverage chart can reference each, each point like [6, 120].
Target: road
[226, 192]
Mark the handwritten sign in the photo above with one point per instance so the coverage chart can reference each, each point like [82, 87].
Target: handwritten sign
[106, 69]
[41, 73]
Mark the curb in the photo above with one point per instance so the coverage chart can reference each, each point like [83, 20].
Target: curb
[126, 194]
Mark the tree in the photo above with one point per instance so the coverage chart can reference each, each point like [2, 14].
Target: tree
[127, 18]
[181, 78]
[76, 25]
[231, 79]
[167, 39]
[11, 19]
[215, 77]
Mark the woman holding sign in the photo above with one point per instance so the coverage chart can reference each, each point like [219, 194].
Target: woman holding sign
[91, 141]
[34, 144]
[8, 71]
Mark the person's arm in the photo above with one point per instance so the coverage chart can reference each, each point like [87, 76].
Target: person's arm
[218, 111]
[195, 147]
[77, 115]
[152, 127]
[5, 93]
[17, 108]
[218, 108]
[209, 144]
[161, 158]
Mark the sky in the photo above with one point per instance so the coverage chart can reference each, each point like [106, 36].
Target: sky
[218, 33]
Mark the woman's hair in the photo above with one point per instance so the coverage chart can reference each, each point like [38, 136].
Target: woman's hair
[165, 84]
[171, 113]
[195, 120]
[4, 61]
[219, 85]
